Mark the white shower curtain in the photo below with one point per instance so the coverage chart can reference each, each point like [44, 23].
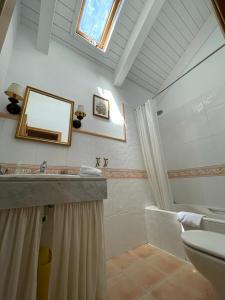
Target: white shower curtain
[20, 234]
[78, 271]
[153, 156]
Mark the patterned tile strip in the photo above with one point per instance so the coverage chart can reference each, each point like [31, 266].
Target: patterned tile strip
[207, 171]
[112, 173]
[109, 173]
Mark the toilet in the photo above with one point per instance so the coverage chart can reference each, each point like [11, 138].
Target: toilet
[206, 251]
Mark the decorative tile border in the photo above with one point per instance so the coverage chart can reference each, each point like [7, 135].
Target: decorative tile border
[113, 173]
[109, 173]
[124, 173]
[207, 171]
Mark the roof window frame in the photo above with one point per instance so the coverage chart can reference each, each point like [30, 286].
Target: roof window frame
[107, 28]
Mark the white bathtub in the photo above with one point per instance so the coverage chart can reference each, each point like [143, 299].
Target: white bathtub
[164, 231]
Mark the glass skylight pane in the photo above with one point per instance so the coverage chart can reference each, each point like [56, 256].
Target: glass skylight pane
[94, 18]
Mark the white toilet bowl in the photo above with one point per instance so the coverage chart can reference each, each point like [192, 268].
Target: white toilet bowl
[206, 251]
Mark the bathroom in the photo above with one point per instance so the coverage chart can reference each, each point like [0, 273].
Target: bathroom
[120, 196]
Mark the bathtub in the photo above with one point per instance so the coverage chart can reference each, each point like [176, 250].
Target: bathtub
[164, 231]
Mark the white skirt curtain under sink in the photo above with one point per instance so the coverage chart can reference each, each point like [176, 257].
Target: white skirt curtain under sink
[78, 260]
[20, 234]
[148, 130]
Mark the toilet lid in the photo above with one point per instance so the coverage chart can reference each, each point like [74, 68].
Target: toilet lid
[206, 241]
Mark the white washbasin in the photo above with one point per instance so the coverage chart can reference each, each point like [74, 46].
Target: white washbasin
[46, 177]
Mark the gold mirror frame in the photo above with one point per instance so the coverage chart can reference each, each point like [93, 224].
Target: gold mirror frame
[22, 116]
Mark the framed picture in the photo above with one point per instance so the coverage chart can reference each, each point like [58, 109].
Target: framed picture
[101, 107]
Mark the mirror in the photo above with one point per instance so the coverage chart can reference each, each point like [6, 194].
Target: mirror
[46, 118]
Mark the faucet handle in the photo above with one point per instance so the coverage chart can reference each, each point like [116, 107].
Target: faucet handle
[98, 161]
[106, 161]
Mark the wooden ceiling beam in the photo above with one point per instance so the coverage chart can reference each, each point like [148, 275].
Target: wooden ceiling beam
[45, 25]
[6, 11]
[142, 27]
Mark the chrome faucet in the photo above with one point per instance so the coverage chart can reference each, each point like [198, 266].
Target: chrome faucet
[3, 171]
[43, 167]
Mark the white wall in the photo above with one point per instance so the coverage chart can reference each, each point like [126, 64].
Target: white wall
[163, 231]
[193, 126]
[67, 74]
[204, 78]
[6, 51]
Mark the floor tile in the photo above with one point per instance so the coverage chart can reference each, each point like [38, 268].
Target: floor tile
[112, 269]
[143, 275]
[123, 288]
[195, 280]
[148, 273]
[145, 251]
[124, 260]
[166, 263]
[170, 291]
[147, 296]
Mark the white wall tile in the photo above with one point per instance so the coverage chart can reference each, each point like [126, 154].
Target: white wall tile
[192, 127]
[218, 142]
[54, 155]
[124, 214]
[214, 225]
[164, 231]
[216, 118]
[187, 191]
[169, 233]
[124, 232]
[199, 153]
[152, 228]
[214, 191]
[15, 150]
[81, 151]
[1, 126]
[129, 195]
[202, 191]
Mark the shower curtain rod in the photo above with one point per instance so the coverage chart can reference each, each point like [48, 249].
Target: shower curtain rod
[187, 72]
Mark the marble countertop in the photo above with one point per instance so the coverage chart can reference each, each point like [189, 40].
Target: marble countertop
[27, 190]
[48, 177]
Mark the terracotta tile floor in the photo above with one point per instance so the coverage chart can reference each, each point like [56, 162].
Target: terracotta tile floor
[148, 273]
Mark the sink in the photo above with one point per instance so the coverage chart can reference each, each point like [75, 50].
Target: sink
[38, 175]
[26, 190]
[41, 176]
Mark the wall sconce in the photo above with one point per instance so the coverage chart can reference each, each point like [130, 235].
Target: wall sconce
[15, 92]
[80, 114]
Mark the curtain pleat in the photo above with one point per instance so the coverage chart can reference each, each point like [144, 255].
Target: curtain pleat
[153, 155]
[20, 234]
[78, 261]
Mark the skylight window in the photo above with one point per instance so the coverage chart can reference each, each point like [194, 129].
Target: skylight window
[96, 19]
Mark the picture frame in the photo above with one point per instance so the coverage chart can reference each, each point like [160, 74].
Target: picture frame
[37, 122]
[101, 107]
